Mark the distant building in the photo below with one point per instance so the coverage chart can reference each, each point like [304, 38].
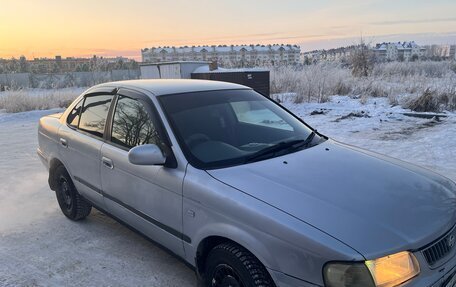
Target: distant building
[400, 51]
[49, 65]
[437, 51]
[229, 56]
[336, 54]
[65, 65]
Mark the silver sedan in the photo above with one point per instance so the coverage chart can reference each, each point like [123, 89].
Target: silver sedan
[245, 192]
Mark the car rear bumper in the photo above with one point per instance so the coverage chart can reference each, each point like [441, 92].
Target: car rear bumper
[43, 158]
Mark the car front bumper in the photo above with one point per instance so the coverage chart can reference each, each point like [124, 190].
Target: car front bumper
[436, 277]
[449, 280]
[439, 277]
[284, 280]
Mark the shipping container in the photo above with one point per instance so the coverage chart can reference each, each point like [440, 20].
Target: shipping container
[254, 78]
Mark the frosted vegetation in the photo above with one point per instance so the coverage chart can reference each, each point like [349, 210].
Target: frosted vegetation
[37, 99]
[420, 86]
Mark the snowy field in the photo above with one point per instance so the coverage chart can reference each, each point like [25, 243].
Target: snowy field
[40, 247]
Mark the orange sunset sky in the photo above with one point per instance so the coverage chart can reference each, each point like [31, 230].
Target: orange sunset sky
[45, 28]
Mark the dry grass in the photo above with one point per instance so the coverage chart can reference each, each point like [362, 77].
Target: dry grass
[311, 83]
[26, 100]
[317, 83]
[427, 69]
[433, 101]
[427, 102]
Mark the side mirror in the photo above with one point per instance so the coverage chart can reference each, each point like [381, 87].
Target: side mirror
[148, 154]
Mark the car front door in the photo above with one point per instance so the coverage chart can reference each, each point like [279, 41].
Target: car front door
[149, 198]
[81, 140]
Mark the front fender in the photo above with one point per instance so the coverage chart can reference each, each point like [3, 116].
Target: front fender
[280, 241]
[235, 234]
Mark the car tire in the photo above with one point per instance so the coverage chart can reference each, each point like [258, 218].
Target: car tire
[72, 204]
[229, 264]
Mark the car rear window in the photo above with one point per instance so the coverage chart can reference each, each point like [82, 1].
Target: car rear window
[73, 117]
[94, 114]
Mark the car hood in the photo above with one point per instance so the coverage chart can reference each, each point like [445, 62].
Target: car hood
[375, 204]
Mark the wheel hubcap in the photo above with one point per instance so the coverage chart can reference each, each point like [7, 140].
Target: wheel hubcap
[225, 276]
[65, 192]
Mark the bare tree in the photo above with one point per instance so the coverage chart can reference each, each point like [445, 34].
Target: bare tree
[361, 60]
[132, 124]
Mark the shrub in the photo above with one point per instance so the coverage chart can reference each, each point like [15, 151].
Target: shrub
[361, 60]
[342, 88]
[427, 102]
[447, 98]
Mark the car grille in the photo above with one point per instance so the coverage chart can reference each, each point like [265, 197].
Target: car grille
[441, 248]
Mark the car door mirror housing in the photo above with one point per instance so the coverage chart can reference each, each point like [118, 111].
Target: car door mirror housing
[148, 154]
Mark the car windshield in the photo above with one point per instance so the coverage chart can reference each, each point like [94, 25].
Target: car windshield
[217, 129]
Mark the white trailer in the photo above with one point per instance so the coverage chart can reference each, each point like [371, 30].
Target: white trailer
[170, 70]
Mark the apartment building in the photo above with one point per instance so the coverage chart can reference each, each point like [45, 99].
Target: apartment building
[228, 56]
[400, 51]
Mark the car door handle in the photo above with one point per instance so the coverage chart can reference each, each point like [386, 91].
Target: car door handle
[107, 162]
[63, 142]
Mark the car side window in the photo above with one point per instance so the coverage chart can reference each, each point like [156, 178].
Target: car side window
[132, 125]
[73, 117]
[94, 114]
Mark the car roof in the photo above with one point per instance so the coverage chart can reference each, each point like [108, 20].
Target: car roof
[160, 87]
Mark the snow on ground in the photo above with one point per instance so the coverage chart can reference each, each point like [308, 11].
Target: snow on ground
[379, 127]
[40, 247]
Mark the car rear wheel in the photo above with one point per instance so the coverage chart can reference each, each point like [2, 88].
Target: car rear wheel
[230, 265]
[72, 204]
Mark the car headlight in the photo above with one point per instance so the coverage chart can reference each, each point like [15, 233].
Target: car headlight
[388, 271]
[394, 269]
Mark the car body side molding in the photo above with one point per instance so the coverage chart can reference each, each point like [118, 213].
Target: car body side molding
[138, 213]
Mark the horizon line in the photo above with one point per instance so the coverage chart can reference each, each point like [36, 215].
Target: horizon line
[135, 54]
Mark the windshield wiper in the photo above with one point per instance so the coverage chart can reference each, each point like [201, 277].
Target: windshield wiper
[272, 150]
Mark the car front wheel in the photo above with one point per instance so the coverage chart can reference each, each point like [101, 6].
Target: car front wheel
[230, 265]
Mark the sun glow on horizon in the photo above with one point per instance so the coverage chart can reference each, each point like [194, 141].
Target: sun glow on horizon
[46, 28]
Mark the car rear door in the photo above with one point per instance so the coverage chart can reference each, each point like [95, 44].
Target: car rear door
[149, 198]
[81, 140]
